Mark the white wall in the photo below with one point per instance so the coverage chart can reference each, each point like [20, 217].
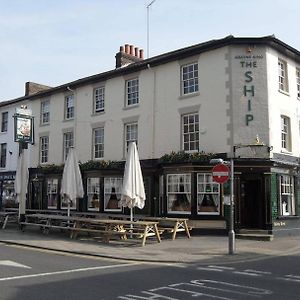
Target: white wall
[8, 138]
[248, 71]
[283, 104]
[220, 102]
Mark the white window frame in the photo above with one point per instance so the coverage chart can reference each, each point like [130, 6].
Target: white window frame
[189, 78]
[131, 134]
[286, 142]
[3, 155]
[190, 132]
[93, 193]
[98, 143]
[69, 107]
[52, 193]
[112, 187]
[99, 99]
[68, 142]
[208, 195]
[45, 112]
[4, 121]
[287, 195]
[298, 82]
[179, 193]
[132, 92]
[44, 149]
[283, 76]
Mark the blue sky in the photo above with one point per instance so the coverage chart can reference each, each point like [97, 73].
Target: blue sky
[53, 42]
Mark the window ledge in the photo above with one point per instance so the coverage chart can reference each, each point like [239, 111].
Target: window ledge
[97, 113]
[284, 92]
[68, 120]
[131, 106]
[286, 152]
[189, 95]
[44, 124]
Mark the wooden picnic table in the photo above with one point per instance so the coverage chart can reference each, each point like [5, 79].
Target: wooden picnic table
[165, 224]
[105, 227]
[8, 216]
[170, 224]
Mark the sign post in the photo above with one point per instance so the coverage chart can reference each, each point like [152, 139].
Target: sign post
[221, 174]
[23, 134]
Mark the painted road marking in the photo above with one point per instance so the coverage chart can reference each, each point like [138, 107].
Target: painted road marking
[209, 289]
[258, 272]
[11, 263]
[247, 273]
[67, 271]
[294, 278]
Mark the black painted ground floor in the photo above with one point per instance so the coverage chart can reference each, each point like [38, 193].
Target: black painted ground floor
[266, 193]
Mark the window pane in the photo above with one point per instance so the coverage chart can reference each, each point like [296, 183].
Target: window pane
[68, 143]
[190, 132]
[99, 142]
[52, 193]
[93, 193]
[208, 195]
[132, 88]
[287, 197]
[112, 193]
[99, 99]
[189, 78]
[4, 122]
[69, 107]
[179, 193]
[131, 134]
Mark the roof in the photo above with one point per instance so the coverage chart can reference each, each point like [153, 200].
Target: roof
[270, 40]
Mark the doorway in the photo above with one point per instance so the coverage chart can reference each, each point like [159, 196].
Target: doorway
[251, 201]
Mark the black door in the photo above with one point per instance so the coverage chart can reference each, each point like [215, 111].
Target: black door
[252, 208]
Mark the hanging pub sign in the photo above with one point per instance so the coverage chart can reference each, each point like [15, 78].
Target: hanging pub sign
[23, 131]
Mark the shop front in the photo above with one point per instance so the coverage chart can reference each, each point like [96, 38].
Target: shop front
[266, 195]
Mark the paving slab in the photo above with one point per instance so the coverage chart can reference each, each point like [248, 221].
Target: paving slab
[197, 249]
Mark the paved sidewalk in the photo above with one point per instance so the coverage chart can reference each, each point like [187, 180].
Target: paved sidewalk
[198, 249]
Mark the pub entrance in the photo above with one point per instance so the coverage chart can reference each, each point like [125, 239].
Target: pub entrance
[252, 203]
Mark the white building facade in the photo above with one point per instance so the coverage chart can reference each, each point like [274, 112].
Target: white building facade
[223, 98]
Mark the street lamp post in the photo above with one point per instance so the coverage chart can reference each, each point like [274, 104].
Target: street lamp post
[231, 233]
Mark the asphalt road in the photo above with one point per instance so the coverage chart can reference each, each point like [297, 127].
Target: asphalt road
[33, 274]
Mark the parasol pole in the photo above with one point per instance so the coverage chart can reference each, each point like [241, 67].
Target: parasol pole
[69, 213]
[131, 219]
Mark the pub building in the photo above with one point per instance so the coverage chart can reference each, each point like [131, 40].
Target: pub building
[235, 98]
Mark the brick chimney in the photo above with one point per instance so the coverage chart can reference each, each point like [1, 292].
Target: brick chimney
[33, 88]
[128, 54]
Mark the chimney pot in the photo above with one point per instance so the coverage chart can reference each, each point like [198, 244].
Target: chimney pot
[131, 50]
[121, 49]
[136, 51]
[126, 48]
[141, 54]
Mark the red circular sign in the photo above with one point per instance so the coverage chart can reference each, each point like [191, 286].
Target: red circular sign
[220, 173]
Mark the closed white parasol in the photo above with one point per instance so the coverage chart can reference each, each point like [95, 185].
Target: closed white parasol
[71, 186]
[133, 191]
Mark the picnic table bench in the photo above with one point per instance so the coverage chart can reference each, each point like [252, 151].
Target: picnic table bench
[8, 216]
[105, 227]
